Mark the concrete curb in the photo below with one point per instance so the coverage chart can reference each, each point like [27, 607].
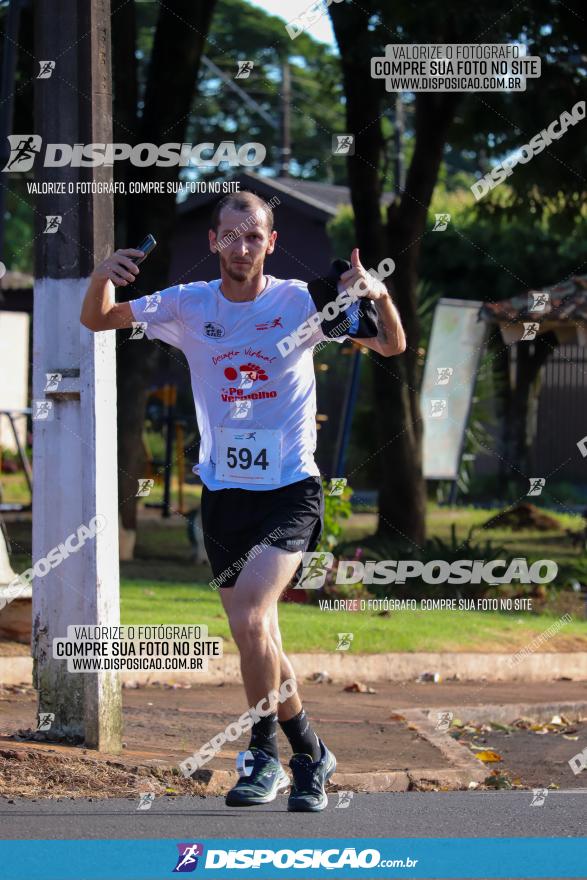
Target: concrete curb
[464, 766]
[504, 713]
[343, 667]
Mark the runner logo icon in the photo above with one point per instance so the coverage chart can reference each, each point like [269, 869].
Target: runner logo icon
[187, 860]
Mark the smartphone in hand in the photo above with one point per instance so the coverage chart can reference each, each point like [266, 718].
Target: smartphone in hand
[146, 247]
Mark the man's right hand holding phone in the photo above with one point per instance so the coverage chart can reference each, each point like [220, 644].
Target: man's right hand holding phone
[119, 267]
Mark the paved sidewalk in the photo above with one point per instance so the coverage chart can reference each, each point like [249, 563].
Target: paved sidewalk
[377, 747]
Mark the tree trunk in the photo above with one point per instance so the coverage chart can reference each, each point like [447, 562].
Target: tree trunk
[402, 499]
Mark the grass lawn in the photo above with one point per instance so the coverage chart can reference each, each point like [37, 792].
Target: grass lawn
[162, 585]
[305, 628]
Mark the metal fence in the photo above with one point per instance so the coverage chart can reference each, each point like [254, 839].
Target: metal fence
[562, 417]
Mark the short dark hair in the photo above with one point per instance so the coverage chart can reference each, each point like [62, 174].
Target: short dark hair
[246, 200]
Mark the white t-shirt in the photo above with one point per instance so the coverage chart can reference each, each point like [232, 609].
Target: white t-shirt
[256, 409]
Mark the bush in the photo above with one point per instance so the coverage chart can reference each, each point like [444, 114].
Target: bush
[377, 548]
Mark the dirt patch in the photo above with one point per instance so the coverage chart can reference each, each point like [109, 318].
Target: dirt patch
[523, 516]
[14, 649]
[32, 773]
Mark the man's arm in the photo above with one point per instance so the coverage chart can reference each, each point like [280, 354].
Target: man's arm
[99, 309]
[390, 338]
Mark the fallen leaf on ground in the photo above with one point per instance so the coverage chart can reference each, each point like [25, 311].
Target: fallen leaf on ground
[357, 687]
[498, 780]
[488, 756]
[497, 725]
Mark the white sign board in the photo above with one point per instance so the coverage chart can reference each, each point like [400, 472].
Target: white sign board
[14, 369]
[452, 360]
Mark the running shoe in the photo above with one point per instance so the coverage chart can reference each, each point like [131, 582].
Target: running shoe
[266, 778]
[309, 780]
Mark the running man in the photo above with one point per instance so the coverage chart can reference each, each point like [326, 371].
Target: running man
[262, 491]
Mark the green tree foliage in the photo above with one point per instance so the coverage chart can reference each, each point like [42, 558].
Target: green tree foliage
[241, 32]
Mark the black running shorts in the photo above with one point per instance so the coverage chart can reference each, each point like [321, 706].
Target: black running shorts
[236, 520]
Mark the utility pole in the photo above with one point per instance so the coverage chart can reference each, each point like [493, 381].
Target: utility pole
[285, 120]
[74, 432]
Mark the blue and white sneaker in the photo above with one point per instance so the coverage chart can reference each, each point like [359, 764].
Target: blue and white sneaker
[262, 784]
[309, 780]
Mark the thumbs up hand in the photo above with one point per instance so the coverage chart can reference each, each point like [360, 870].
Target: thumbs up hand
[360, 281]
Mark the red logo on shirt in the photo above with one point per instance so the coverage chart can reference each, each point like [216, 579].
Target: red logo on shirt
[252, 372]
[269, 325]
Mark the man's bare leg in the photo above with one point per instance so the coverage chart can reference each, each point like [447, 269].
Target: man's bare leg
[251, 607]
[252, 612]
[293, 704]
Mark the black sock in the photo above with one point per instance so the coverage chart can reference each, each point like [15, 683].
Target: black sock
[301, 737]
[264, 735]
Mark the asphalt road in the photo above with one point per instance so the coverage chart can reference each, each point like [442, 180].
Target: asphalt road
[401, 814]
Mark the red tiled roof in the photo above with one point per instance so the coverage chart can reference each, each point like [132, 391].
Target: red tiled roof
[566, 301]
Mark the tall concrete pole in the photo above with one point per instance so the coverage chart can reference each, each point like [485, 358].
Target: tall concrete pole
[75, 461]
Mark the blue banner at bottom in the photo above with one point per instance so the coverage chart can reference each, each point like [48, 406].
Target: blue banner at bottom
[510, 857]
